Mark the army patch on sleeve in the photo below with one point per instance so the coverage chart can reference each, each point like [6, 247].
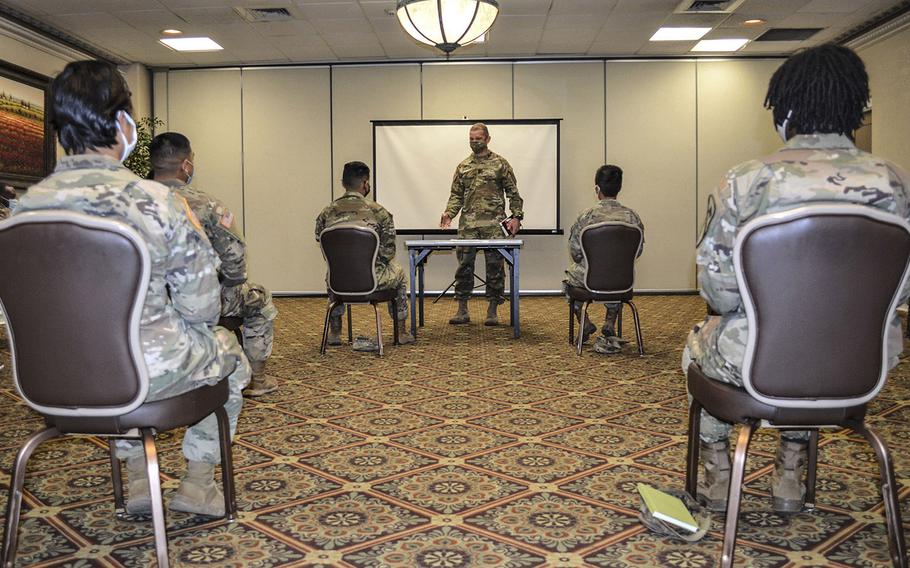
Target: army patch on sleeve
[227, 220]
[709, 216]
[190, 215]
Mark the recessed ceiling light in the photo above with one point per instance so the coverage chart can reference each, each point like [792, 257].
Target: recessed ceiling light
[720, 44]
[171, 31]
[754, 22]
[679, 34]
[191, 43]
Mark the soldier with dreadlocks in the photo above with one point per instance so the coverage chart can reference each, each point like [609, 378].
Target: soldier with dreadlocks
[817, 98]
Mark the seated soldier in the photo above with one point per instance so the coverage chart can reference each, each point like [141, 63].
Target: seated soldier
[183, 350]
[354, 208]
[172, 160]
[607, 185]
[817, 97]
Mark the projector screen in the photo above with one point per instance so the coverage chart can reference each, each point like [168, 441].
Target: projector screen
[414, 162]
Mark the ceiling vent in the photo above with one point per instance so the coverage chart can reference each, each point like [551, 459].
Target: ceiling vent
[707, 6]
[788, 34]
[264, 14]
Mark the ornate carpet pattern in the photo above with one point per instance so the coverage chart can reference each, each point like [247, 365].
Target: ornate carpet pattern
[467, 449]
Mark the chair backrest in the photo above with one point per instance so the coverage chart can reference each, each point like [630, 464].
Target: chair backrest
[820, 285]
[350, 252]
[72, 288]
[610, 249]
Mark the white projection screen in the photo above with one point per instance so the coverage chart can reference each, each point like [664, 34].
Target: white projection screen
[414, 162]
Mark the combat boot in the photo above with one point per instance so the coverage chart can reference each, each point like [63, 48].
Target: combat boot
[714, 485]
[198, 492]
[261, 383]
[404, 333]
[334, 331]
[461, 316]
[788, 491]
[492, 318]
[139, 498]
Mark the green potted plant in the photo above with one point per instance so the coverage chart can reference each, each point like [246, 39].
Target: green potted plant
[138, 162]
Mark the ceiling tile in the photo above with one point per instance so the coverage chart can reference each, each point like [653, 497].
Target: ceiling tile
[207, 16]
[525, 7]
[828, 6]
[575, 7]
[331, 11]
[577, 22]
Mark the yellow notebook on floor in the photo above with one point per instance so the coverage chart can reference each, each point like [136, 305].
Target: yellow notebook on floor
[667, 507]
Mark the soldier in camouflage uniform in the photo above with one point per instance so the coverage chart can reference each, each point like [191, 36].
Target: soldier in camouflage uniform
[353, 208]
[607, 185]
[172, 159]
[817, 97]
[479, 188]
[182, 349]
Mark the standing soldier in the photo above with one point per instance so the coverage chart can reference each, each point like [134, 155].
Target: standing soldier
[817, 98]
[607, 184]
[354, 208]
[172, 159]
[479, 188]
[183, 349]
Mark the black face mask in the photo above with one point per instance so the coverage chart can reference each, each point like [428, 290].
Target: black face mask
[478, 146]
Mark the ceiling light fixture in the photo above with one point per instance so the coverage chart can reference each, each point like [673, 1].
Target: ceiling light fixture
[754, 22]
[171, 31]
[447, 24]
[191, 43]
[679, 34]
[720, 44]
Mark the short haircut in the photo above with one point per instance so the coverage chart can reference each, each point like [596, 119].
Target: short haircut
[481, 126]
[168, 150]
[354, 173]
[85, 99]
[609, 179]
[825, 87]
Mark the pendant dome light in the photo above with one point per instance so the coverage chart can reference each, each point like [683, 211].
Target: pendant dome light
[447, 24]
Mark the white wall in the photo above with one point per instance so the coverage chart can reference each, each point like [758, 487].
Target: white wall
[888, 64]
[271, 143]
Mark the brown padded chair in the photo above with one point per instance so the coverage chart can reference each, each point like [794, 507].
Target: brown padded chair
[799, 273]
[73, 271]
[610, 249]
[350, 252]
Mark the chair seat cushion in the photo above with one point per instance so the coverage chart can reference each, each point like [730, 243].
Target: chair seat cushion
[735, 405]
[377, 296]
[584, 295]
[181, 410]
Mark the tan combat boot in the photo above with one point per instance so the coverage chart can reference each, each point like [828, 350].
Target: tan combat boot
[139, 498]
[198, 492]
[334, 331]
[261, 383]
[788, 491]
[461, 316]
[492, 318]
[404, 332]
[714, 485]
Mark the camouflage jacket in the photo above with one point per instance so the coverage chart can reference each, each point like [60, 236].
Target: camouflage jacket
[606, 210]
[809, 168]
[355, 209]
[479, 189]
[221, 228]
[183, 297]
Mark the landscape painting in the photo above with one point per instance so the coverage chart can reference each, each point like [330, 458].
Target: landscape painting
[25, 146]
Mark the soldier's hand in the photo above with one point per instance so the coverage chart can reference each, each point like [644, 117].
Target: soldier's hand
[513, 225]
[445, 221]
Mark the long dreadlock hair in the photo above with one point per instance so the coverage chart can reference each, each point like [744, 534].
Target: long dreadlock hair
[825, 87]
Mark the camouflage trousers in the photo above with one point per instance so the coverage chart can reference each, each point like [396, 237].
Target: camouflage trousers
[495, 265]
[718, 346]
[253, 303]
[612, 308]
[392, 277]
[200, 442]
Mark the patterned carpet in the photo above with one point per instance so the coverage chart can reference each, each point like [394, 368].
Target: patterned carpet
[469, 448]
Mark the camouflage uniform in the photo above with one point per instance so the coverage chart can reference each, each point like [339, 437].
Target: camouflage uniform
[239, 298]
[479, 189]
[353, 208]
[608, 209]
[809, 169]
[182, 351]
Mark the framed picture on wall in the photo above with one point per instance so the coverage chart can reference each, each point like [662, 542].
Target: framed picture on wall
[27, 143]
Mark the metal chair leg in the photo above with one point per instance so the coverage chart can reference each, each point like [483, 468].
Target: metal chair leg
[693, 450]
[395, 323]
[641, 346]
[378, 328]
[116, 480]
[571, 322]
[160, 527]
[325, 327]
[811, 469]
[581, 327]
[350, 326]
[618, 321]
[227, 465]
[896, 543]
[14, 499]
[735, 494]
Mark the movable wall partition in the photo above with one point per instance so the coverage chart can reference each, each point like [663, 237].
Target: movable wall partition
[271, 143]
